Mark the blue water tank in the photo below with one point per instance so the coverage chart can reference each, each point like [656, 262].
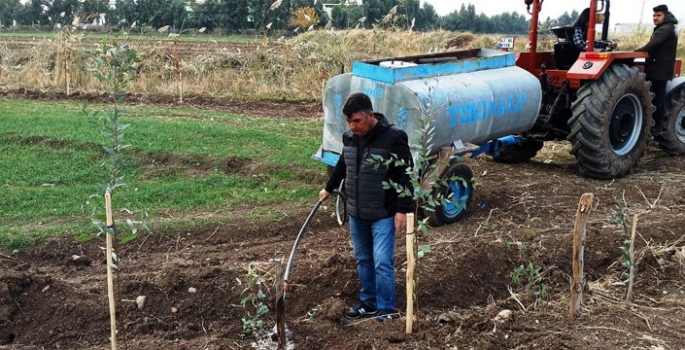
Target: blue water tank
[473, 96]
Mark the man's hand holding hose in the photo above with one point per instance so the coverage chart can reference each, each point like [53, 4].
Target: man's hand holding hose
[324, 195]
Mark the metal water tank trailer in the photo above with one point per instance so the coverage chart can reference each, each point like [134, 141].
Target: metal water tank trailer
[473, 96]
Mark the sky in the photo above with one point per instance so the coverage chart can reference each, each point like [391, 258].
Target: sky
[622, 11]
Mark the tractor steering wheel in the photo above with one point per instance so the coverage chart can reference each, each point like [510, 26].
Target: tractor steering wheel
[612, 45]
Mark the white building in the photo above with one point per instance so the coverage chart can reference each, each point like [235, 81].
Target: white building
[329, 7]
[631, 27]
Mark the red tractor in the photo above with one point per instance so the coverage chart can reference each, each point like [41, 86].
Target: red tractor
[600, 101]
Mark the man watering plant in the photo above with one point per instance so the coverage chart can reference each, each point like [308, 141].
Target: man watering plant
[375, 213]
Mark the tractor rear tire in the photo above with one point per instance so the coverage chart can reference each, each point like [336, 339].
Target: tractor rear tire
[611, 120]
[457, 193]
[672, 139]
[518, 152]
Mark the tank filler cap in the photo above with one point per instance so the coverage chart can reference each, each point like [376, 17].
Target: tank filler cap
[397, 64]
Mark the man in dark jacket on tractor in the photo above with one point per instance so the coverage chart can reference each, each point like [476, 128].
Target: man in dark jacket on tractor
[375, 213]
[661, 61]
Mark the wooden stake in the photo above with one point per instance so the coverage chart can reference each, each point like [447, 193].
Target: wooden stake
[66, 68]
[411, 262]
[110, 277]
[180, 86]
[631, 279]
[579, 233]
[280, 307]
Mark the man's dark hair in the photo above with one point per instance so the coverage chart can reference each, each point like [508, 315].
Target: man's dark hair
[583, 20]
[357, 102]
[661, 8]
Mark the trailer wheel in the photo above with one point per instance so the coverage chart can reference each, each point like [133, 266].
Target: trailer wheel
[518, 152]
[341, 205]
[457, 193]
[610, 123]
[672, 140]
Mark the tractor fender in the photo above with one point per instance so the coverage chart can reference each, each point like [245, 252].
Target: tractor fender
[591, 65]
[587, 69]
[673, 85]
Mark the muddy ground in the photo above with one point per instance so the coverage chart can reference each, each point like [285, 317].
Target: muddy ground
[53, 296]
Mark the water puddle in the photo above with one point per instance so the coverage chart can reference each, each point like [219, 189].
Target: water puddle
[269, 341]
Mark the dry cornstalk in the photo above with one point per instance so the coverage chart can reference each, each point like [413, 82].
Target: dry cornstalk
[579, 234]
[66, 66]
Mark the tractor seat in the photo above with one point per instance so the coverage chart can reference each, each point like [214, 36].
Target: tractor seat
[563, 33]
[565, 51]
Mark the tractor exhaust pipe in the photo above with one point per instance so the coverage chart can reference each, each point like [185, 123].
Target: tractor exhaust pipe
[605, 24]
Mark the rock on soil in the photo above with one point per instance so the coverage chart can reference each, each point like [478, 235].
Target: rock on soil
[140, 301]
[503, 316]
[78, 261]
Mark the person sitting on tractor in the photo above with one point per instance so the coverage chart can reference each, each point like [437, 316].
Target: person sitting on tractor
[661, 61]
[580, 34]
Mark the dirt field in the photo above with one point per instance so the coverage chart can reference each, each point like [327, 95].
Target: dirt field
[50, 299]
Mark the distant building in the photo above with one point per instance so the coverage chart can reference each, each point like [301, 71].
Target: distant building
[329, 7]
[629, 27]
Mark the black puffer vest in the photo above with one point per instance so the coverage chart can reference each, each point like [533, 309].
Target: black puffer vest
[364, 185]
[366, 198]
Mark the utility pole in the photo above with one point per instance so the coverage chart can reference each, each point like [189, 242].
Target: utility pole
[642, 13]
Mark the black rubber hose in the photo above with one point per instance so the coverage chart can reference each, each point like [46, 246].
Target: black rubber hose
[297, 242]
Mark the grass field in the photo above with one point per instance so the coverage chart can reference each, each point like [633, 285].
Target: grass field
[183, 162]
[292, 68]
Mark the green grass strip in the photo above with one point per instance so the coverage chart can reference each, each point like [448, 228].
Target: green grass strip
[181, 161]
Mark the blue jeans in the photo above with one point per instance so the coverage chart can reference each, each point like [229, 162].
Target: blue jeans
[374, 249]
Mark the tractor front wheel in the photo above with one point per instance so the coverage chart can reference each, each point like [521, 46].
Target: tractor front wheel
[610, 123]
[672, 138]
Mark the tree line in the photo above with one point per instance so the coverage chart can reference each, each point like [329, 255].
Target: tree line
[246, 16]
